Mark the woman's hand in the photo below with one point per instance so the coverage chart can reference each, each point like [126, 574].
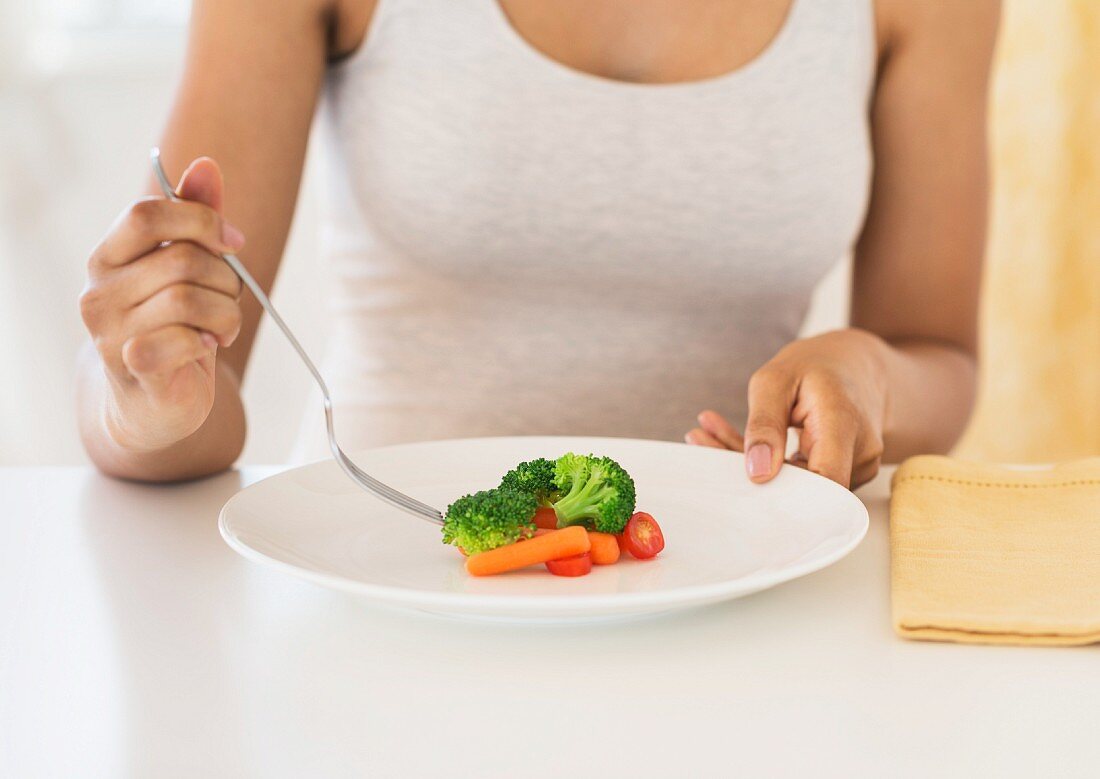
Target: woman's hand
[833, 389]
[158, 302]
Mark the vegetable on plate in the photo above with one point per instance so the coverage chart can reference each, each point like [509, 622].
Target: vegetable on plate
[570, 513]
[594, 491]
[577, 565]
[555, 545]
[642, 537]
[605, 548]
[489, 519]
[535, 477]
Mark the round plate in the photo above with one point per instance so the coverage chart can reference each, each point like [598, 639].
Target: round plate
[725, 537]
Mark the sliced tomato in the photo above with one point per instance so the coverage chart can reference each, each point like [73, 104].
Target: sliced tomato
[577, 565]
[546, 518]
[642, 536]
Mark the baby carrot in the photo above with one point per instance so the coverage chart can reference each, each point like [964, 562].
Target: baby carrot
[605, 548]
[559, 543]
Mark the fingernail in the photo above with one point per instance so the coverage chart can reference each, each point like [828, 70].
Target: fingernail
[231, 236]
[209, 340]
[758, 462]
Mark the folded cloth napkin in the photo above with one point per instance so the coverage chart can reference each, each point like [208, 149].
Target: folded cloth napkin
[990, 554]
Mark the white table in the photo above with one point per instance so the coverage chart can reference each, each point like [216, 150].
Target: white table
[133, 642]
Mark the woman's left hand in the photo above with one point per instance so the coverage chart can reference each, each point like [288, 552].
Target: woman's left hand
[833, 389]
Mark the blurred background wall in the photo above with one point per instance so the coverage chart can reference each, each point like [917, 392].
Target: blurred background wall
[1040, 392]
[84, 85]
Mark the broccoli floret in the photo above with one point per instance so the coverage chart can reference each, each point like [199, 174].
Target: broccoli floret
[536, 477]
[488, 519]
[595, 491]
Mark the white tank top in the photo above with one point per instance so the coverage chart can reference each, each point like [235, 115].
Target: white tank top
[518, 247]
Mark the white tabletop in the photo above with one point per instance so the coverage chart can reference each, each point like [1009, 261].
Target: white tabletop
[133, 642]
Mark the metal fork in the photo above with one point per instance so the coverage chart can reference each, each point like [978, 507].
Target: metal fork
[381, 491]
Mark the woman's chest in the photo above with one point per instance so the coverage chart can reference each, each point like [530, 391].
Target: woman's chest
[472, 161]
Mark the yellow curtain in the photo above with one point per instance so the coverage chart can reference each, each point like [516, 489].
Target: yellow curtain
[1039, 395]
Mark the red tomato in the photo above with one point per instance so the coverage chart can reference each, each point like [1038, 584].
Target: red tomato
[642, 536]
[577, 565]
[546, 518]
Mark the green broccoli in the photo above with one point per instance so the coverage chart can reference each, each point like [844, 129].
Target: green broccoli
[490, 518]
[536, 477]
[595, 491]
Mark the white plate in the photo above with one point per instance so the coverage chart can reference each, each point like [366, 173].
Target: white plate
[725, 537]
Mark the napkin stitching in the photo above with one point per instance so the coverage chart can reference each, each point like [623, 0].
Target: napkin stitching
[1024, 485]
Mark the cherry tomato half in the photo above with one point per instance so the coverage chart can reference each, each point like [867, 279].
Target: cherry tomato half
[577, 565]
[642, 536]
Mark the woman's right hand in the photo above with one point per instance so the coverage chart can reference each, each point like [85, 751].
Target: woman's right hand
[158, 303]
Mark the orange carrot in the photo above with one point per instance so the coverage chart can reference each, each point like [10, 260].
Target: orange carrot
[605, 548]
[560, 543]
[546, 518]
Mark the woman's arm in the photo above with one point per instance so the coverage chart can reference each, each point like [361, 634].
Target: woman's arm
[901, 380]
[156, 400]
[918, 262]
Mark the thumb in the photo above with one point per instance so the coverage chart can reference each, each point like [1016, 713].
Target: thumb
[202, 182]
[771, 396]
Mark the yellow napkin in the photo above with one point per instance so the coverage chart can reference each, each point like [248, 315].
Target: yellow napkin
[989, 554]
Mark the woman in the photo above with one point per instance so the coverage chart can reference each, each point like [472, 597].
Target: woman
[566, 216]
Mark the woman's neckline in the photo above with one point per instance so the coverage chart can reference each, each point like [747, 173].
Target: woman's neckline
[518, 41]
